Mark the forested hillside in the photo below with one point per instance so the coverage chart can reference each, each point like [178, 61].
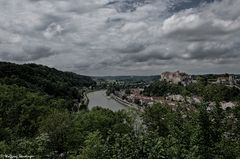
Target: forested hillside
[43, 78]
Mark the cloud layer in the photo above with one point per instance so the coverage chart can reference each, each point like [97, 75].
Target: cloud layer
[113, 37]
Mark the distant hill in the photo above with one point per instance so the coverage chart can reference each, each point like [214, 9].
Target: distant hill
[49, 80]
[215, 76]
[129, 78]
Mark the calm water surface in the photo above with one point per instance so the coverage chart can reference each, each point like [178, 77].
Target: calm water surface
[99, 98]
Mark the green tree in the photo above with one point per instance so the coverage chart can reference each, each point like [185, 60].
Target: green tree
[203, 141]
[4, 148]
[93, 147]
[59, 127]
[156, 119]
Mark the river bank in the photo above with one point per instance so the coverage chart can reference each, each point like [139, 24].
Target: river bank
[123, 102]
[99, 98]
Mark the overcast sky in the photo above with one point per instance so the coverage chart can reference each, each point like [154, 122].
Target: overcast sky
[122, 37]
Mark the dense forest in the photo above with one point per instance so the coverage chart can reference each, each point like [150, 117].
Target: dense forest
[209, 92]
[36, 121]
[49, 80]
[34, 124]
[55, 83]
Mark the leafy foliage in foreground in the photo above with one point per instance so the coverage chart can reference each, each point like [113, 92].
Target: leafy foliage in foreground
[202, 134]
[22, 109]
[32, 123]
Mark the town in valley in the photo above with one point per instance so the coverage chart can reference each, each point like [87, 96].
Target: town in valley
[134, 91]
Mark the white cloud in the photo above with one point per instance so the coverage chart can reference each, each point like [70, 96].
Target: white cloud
[126, 37]
[53, 30]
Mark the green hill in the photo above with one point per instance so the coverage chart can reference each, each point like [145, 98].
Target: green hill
[49, 80]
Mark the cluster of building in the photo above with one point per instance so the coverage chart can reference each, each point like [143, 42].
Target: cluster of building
[136, 97]
[171, 100]
[227, 80]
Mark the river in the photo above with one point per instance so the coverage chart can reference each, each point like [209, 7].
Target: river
[99, 98]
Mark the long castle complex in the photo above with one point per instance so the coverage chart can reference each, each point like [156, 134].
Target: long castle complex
[176, 77]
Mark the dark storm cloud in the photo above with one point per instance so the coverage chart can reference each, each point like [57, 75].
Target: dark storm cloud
[196, 28]
[131, 48]
[208, 50]
[35, 0]
[127, 5]
[28, 54]
[98, 37]
[149, 56]
[38, 53]
[81, 66]
[48, 19]
[181, 5]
